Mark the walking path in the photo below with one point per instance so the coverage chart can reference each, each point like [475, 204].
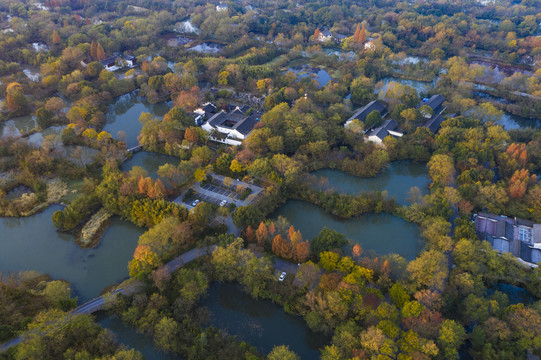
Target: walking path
[97, 304]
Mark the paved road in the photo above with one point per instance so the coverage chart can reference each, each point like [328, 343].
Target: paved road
[188, 256]
[281, 265]
[97, 304]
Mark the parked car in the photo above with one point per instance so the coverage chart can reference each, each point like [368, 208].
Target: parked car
[282, 276]
[195, 202]
[223, 203]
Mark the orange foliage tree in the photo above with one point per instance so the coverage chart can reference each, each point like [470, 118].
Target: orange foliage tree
[519, 153]
[144, 260]
[518, 184]
[158, 191]
[188, 100]
[250, 234]
[144, 184]
[317, 34]
[56, 37]
[281, 247]
[360, 34]
[262, 234]
[100, 53]
[302, 251]
[357, 251]
[191, 135]
[93, 50]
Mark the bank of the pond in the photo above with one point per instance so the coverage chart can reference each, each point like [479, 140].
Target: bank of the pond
[382, 233]
[422, 87]
[132, 339]
[397, 179]
[511, 122]
[33, 243]
[149, 161]
[260, 323]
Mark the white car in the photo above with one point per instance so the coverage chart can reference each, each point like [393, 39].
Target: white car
[195, 203]
[282, 276]
[223, 203]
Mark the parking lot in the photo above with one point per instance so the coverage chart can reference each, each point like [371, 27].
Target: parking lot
[209, 199]
[216, 194]
[218, 190]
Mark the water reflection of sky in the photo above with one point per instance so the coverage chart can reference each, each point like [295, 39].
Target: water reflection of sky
[261, 323]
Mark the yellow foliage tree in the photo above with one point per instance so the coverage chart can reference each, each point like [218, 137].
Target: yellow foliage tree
[144, 260]
[14, 97]
[90, 133]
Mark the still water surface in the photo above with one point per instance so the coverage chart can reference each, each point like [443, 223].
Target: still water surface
[132, 339]
[397, 179]
[261, 323]
[381, 233]
[149, 161]
[123, 115]
[32, 243]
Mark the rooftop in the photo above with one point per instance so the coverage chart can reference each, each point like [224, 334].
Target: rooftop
[363, 112]
[380, 132]
[434, 123]
[435, 103]
[234, 121]
[326, 33]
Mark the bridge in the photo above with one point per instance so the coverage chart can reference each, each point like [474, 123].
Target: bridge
[98, 303]
[135, 149]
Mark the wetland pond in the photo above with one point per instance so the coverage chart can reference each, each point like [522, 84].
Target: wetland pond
[123, 115]
[149, 161]
[397, 179]
[303, 71]
[32, 243]
[129, 336]
[261, 323]
[381, 233]
[515, 294]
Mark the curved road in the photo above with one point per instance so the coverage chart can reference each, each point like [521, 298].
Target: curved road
[97, 304]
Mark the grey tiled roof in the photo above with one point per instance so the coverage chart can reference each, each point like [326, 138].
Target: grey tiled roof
[434, 123]
[363, 112]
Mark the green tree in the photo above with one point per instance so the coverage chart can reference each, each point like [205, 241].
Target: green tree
[450, 338]
[362, 90]
[44, 117]
[327, 240]
[373, 119]
[282, 352]
[58, 293]
[166, 334]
